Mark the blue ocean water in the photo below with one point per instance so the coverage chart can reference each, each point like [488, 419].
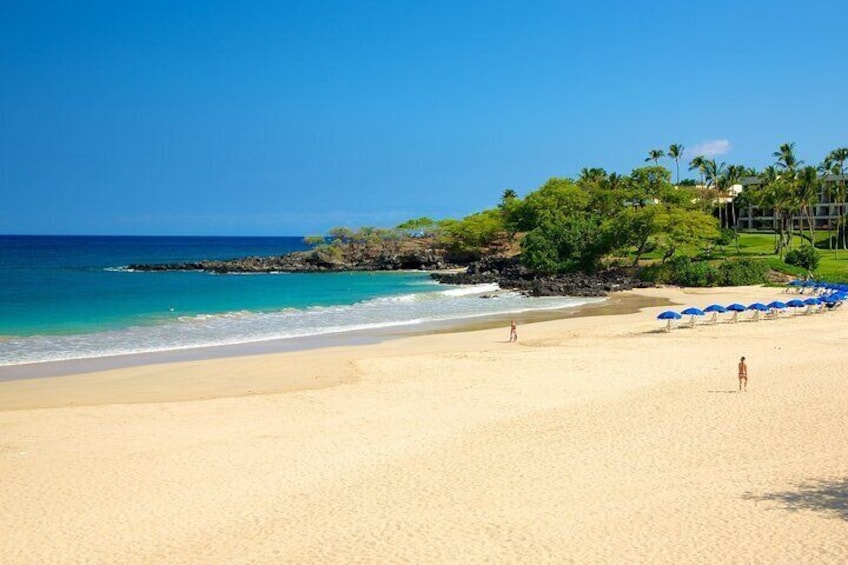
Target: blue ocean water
[71, 297]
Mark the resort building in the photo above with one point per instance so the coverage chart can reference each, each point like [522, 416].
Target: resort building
[825, 211]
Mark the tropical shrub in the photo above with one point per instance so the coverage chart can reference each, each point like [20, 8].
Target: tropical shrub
[742, 272]
[726, 237]
[680, 271]
[699, 273]
[805, 257]
[683, 271]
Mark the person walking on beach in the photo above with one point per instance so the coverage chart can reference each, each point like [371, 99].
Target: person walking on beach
[513, 332]
[743, 375]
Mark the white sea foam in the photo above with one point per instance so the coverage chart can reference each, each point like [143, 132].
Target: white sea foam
[471, 290]
[231, 328]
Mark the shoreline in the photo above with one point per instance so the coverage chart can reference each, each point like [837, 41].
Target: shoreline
[142, 378]
[594, 439]
[615, 303]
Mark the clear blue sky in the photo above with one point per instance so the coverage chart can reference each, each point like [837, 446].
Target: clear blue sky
[288, 118]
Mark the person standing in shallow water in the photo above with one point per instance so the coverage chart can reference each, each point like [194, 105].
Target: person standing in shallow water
[743, 375]
[513, 331]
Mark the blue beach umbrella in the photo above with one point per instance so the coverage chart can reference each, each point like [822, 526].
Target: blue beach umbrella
[692, 312]
[796, 303]
[811, 302]
[834, 299]
[796, 282]
[716, 309]
[735, 308]
[757, 307]
[669, 315]
[776, 307]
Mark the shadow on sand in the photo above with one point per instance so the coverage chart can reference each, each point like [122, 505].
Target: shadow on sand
[830, 497]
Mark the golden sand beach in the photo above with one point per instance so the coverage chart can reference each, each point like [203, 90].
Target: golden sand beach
[594, 439]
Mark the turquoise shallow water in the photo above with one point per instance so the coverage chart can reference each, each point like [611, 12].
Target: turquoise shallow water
[72, 298]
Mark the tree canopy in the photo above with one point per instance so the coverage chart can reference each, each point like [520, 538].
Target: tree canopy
[599, 218]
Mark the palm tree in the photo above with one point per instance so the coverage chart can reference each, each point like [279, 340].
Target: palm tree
[839, 157]
[807, 191]
[773, 194]
[714, 175]
[697, 162]
[675, 151]
[786, 158]
[733, 176]
[593, 175]
[789, 163]
[828, 167]
[614, 181]
[655, 155]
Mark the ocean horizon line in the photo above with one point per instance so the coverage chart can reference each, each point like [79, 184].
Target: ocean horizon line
[147, 235]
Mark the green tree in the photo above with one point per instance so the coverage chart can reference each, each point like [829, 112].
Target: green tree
[468, 238]
[776, 192]
[715, 179]
[341, 233]
[314, 240]
[829, 167]
[594, 175]
[807, 192]
[786, 158]
[697, 164]
[805, 257]
[686, 230]
[649, 185]
[418, 227]
[787, 163]
[655, 155]
[838, 157]
[636, 228]
[564, 243]
[555, 194]
[510, 207]
[733, 176]
[675, 152]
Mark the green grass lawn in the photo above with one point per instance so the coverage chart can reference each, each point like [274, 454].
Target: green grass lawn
[761, 245]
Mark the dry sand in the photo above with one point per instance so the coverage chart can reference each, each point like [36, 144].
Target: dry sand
[592, 440]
